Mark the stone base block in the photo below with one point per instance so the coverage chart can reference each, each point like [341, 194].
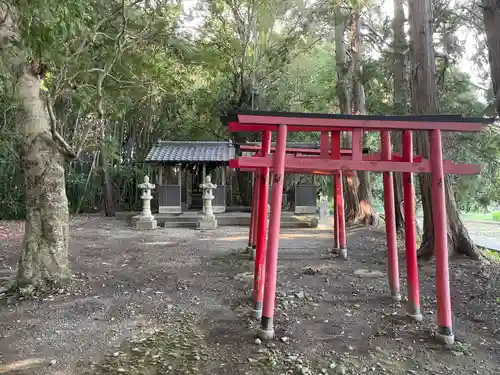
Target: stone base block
[146, 224]
[305, 209]
[207, 224]
[170, 209]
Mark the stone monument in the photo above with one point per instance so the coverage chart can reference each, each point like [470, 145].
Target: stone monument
[146, 220]
[207, 220]
[324, 207]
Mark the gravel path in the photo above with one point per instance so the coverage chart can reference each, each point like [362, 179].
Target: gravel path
[177, 302]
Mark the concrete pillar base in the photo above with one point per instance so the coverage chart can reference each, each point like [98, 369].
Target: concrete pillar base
[415, 317]
[207, 224]
[445, 339]
[396, 297]
[256, 314]
[253, 253]
[343, 253]
[146, 224]
[266, 334]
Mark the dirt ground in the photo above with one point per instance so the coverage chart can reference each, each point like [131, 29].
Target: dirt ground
[177, 301]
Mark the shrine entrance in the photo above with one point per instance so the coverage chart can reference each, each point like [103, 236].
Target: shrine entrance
[334, 161]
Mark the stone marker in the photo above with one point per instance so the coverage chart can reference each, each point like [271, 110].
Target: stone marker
[146, 220]
[207, 220]
[324, 207]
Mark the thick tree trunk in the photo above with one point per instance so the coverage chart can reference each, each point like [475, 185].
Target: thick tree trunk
[425, 101]
[399, 99]
[44, 256]
[359, 207]
[342, 88]
[491, 19]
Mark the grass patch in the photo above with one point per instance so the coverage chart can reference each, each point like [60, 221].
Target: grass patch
[491, 255]
[475, 216]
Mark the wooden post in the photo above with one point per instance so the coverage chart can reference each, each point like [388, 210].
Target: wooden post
[390, 219]
[255, 216]
[223, 175]
[263, 199]
[160, 175]
[413, 306]
[266, 331]
[339, 236]
[445, 332]
[253, 213]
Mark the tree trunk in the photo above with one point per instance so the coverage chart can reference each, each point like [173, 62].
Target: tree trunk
[399, 100]
[425, 101]
[107, 190]
[491, 19]
[342, 88]
[359, 204]
[44, 256]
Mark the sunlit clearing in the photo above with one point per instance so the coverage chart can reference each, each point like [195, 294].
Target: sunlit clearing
[20, 365]
[282, 236]
[160, 243]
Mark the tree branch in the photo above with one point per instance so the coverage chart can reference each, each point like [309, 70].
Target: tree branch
[65, 147]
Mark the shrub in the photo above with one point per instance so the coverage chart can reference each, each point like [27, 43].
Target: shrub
[495, 215]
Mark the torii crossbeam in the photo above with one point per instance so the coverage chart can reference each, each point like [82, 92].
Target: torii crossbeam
[333, 160]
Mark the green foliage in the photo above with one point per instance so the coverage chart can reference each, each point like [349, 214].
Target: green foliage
[495, 215]
[159, 82]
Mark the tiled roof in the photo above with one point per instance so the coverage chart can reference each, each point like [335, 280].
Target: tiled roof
[191, 151]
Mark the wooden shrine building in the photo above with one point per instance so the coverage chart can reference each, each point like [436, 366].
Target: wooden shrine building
[180, 167]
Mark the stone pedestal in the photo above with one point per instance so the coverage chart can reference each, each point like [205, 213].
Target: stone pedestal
[146, 220]
[207, 220]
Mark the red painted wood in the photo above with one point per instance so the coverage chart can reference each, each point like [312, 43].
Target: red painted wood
[318, 165]
[252, 212]
[413, 306]
[325, 144]
[336, 245]
[308, 123]
[339, 192]
[440, 234]
[274, 232]
[293, 150]
[263, 183]
[390, 219]
[357, 144]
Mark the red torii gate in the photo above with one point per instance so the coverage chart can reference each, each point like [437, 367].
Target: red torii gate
[332, 161]
[259, 179]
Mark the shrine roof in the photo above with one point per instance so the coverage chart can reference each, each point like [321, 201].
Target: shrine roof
[191, 152]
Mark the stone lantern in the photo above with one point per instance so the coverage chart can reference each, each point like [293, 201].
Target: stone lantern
[207, 220]
[146, 220]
